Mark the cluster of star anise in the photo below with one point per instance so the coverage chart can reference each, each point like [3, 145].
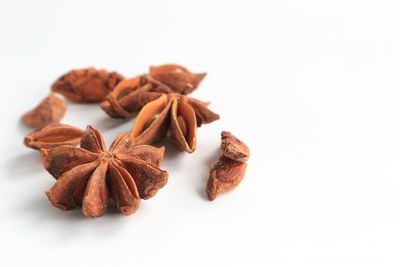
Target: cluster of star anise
[89, 176]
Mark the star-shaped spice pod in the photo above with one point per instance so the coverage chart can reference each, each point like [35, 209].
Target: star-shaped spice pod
[130, 95]
[88, 176]
[174, 113]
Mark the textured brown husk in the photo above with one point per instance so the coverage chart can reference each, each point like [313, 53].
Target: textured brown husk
[53, 135]
[50, 110]
[229, 171]
[90, 176]
[87, 85]
[130, 95]
[173, 113]
[177, 77]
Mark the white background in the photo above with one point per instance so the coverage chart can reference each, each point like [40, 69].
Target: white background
[311, 86]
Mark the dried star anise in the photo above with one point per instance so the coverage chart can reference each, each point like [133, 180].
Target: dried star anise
[231, 167]
[88, 176]
[233, 148]
[53, 135]
[87, 85]
[176, 113]
[50, 110]
[178, 78]
[130, 95]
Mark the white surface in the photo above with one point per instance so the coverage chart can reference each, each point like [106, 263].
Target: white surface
[311, 86]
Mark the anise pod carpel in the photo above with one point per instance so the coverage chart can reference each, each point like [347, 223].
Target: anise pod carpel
[233, 148]
[203, 114]
[90, 175]
[130, 95]
[225, 176]
[173, 113]
[177, 77]
[229, 171]
[53, 135]
[51, 109]
[87, 85]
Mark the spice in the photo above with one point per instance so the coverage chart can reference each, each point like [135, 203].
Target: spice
[130, 95]
[51, 109]
[53, 135]
[174, 113]
[88, 176]
[233, 148]
[87, 85]
[178, 78]
[231, 167]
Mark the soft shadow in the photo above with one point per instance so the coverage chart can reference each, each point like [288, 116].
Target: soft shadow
[172, 154]
[40, 208]
[212, 159]
[40, 214]
[71, 224]
[24, 164]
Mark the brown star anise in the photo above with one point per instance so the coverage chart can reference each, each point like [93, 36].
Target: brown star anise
[53, 135]
[50, 110]
[88, 176]
[178, 78]
[176, 113]
[130, 95]
[229, 171]
[87, 85]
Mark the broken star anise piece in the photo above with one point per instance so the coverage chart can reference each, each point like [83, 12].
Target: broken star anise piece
[53, 135]
[50, 110]
[229, 171]
[86, 85]
[178, 78]
[174, 113]
[89, 176]
[130, 95]
[233, 148]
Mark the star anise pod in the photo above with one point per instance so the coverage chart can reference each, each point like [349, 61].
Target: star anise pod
[178, 78]
[88, 176]
[53, 135]
[229, 171]
[174, 113]
[130, 95]
[87, 85]
[50, 110]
